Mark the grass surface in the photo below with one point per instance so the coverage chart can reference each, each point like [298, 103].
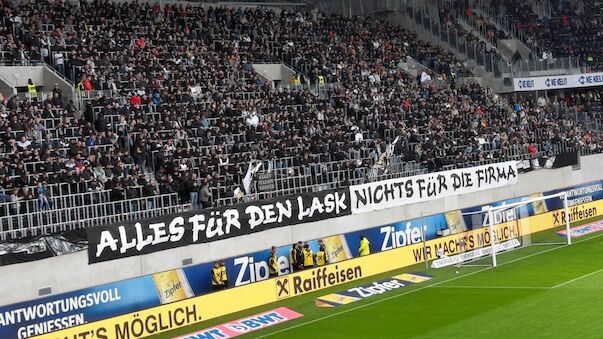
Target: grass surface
[535, 292]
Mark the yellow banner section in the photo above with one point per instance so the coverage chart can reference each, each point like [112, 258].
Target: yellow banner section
[183, 313]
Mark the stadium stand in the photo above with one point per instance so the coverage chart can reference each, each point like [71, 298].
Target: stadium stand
[570, 29]
[173, 106]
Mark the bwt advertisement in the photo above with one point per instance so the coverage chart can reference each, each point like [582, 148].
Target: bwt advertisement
[48, 314]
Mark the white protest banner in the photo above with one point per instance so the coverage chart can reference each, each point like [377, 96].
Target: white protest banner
[420, 188]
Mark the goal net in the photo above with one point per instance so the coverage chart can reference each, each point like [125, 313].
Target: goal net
[485, 234]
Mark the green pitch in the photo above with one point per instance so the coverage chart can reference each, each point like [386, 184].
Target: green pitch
[535, 292]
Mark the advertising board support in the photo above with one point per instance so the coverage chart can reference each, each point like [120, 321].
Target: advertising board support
[423, 230]
[492, 235]
[567, 219]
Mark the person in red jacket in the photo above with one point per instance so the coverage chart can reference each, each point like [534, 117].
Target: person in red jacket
[87, 84]
[532, 149]
[135, 100]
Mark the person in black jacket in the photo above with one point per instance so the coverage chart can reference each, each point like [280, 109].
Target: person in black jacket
[299, 257]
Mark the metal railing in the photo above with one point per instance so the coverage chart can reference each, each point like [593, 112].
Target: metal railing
[50, 221]
[18, 207]
[474, 48]
[296, 184]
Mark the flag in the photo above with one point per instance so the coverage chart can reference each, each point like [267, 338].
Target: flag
[251, 170]
[425, 77]
[390, 147]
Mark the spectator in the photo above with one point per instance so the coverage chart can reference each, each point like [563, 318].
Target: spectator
[216, 277]
[272, 263]
[193, 190]
[42, 193]
[308, 256]
[364, 246]
[59, 61]
[87, 84]
[205, 194]
[321, 256]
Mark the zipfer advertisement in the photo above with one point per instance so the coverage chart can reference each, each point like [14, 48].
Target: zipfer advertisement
[375, 288]
[26, 319]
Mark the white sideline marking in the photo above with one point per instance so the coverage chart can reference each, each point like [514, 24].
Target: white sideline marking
[418, 289]
[496, 287]
[576, 279]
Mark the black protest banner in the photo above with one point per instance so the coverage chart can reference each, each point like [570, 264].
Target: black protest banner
[151, 235]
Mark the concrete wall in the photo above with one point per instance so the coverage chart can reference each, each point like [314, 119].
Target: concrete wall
[71, 272]
[17, 76]
[6, 87]
[277, 73]
[510, 46]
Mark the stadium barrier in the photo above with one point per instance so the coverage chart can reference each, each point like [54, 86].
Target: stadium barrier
[397, 247]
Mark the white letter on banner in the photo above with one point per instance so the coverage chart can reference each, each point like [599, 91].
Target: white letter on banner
[232, 219]
[125, 245]
[142, 241]
[284, 211]
[159, 233]
[176, 229]
[446, 184]
[256, 216]
[198, 221]
[106, 240]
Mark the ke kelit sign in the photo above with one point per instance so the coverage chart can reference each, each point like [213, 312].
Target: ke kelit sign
[177, 230]
[580, 231]
[378, 287]
[246, 325]
[557, 82]
[425, 187]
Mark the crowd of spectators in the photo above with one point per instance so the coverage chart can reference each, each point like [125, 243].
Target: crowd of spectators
[183, 111]
[573, 29]
[474, 42]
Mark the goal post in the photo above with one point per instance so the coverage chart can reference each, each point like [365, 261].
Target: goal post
[482, 234]
[527, 233]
